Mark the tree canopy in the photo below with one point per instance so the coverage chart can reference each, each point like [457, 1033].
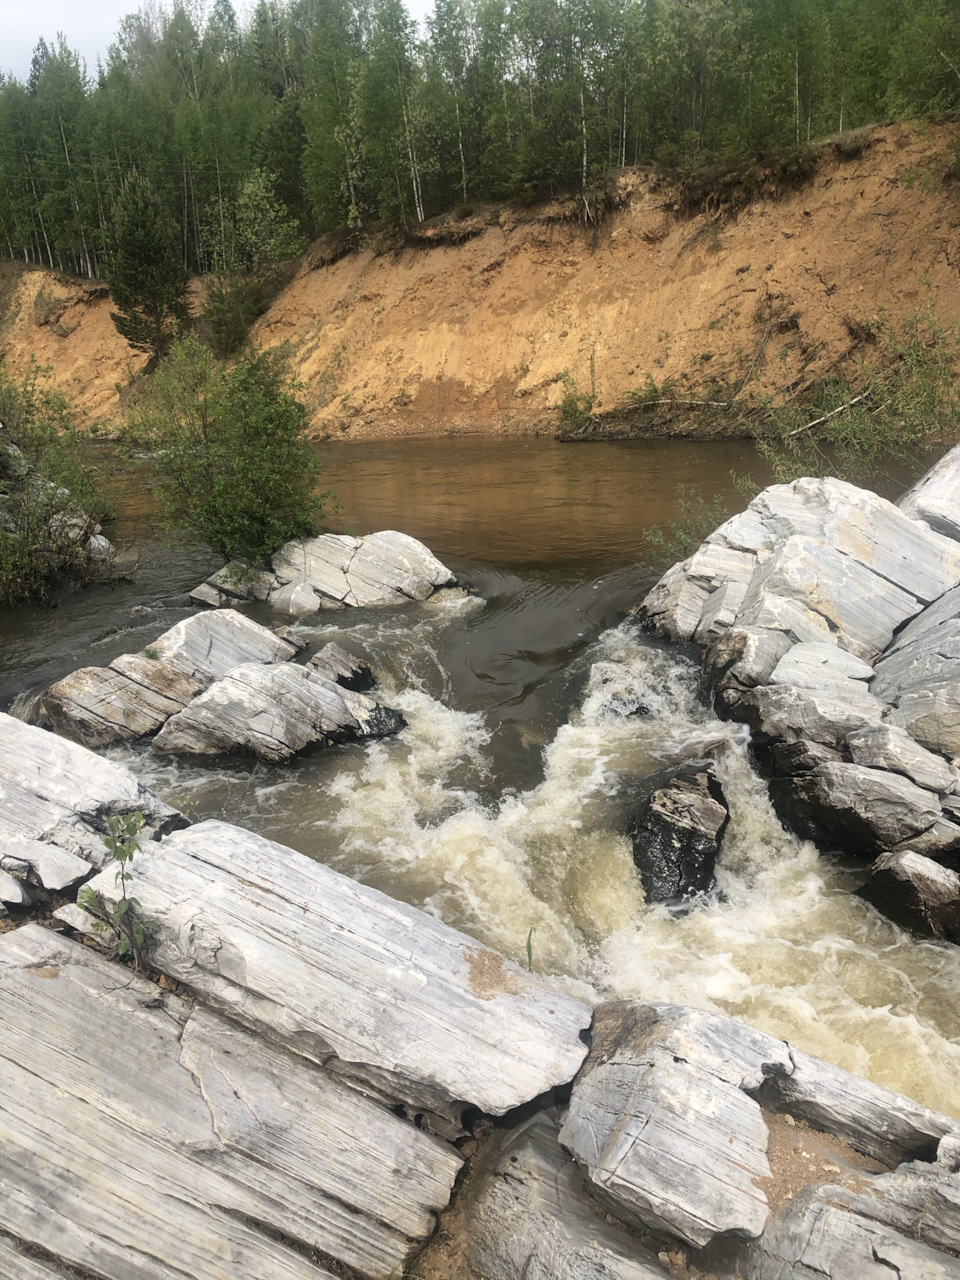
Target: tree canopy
[356, 116]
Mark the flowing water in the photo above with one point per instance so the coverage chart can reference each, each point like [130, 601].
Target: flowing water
[500, 807]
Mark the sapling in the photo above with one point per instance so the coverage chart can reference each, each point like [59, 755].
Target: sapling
[124, 917]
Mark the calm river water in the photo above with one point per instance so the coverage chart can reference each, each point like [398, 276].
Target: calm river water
[497, 809]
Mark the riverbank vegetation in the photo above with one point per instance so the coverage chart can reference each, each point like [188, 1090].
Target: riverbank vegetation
[50, 497]
[350, 115]
[227, 442]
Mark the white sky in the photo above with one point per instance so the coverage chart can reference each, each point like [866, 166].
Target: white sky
[89, 26]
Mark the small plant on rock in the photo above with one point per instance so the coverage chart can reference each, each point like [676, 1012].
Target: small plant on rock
[124, 918]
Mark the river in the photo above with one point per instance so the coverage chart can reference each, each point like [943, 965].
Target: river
[498, 808]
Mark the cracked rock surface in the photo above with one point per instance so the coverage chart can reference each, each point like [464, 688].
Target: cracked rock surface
[164, 1141]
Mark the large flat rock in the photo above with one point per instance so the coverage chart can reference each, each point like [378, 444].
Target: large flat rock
[57, 793]
[935, 498]
[530, 1216]
[274, 710]
[376, 989]
[162, 1141]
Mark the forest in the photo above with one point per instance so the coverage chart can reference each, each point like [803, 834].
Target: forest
[322, 114]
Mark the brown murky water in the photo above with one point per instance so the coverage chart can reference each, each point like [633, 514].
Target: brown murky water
[498, 807]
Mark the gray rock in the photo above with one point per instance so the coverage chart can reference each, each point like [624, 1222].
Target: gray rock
[17, 1266]
[767, 610]
[935, 498]
[274, 710]
[932, 719]
[662, 1124]
[941, 842]
[674, 606]
[917, 893]
[784, 713]
[887, 746]
[944, 610]
[205, 594]
[847, 806]
[99, 547]
[241, 582]
[298, 599]
[42, 864]
[372, 988]
[343, 668]
[676, 829]
[12, 892]
[862, 608]
[385, 568]
[875, 1121]
[918, 1199]
[529, 1216]
[930, 662]
[212, 1165]
[139, 692]
[815, 1239]
[744, 657]
[821, 666]
[58, 793]
[719, 612]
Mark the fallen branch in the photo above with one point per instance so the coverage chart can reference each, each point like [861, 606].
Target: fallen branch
[808, 426]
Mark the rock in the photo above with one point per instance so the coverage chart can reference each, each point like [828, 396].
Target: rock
[935, 498]
[17, 1266]
[298, 599]
[662, 1123]
[769, 611]
[58, 793]
[782, 712]
[816, 1239]
[744, 657]
[139, 692]
[242, 582]
[343, 668]
[530, 1216]
[847, 806]
[929, 663]
[821, 666]
[205, 594]
[802, 756]
[941, 842]
[932, 719]
[719, 612]
[916, 893]
[99, 706]
[918, 1199]
[862, 608]
[676, 831]
[12, 892]
[372, 988]
[234, 1160]
[875, 1121]
[674, 607]
[384, 568]
[887, 746]
[43, 864]
[274, 710]
[99, 547]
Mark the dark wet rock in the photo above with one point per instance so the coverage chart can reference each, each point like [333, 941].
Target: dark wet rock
[343, 668]
[274, 710]
[789, 758]
[676, 828]
[916, 893]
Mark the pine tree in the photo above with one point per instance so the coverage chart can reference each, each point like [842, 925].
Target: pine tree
[145, 272]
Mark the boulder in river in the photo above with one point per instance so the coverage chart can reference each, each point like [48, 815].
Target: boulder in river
[274, 710]
[917, 893]
[676, 830]
[138, 692]
[333, 571]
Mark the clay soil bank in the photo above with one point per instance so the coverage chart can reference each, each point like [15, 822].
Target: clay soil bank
[471, 327]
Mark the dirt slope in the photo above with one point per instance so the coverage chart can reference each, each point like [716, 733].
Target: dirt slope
[471, 328]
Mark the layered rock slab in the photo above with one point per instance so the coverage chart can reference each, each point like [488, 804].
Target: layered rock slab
[667, 1118]
[375, 989]
[54, 792]
[274, 711]
[386, 568]
[231, 1152]
[137, 693]
[530, 1216]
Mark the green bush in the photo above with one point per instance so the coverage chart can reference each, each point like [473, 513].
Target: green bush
[229, 449]
[49, 499]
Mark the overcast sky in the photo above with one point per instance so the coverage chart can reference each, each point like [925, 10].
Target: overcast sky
[89, 26]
